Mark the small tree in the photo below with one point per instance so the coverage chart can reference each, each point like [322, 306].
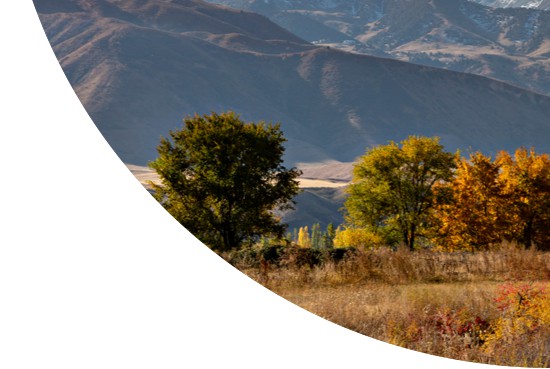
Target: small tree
[316, 236]
[392, 193]
[327, 239]
[222, 178]
[357, 237]
[303, 237]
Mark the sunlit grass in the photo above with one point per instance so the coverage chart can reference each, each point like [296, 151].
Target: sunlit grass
[438, 303]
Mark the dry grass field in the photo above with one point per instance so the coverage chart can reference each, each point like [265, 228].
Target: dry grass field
[491, 307]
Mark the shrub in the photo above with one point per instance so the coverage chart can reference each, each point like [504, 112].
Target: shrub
[524, 322]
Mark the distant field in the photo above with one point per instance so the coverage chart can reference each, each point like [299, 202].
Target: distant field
[316, 175]
[323, 185]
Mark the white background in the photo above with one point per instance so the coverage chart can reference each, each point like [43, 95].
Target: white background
[95, 274]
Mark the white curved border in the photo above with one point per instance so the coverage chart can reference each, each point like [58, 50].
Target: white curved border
[94, 274]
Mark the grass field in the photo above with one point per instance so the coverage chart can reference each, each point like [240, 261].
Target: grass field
[491, 307]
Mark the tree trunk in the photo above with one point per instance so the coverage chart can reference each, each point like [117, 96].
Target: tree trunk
[412, 237]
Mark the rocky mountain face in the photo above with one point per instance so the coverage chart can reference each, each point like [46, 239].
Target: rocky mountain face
[511, 45]
[529, 4]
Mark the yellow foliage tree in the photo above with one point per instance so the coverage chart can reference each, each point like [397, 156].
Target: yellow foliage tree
[474, 218]
[357, 237]
[303, 237]
[525, 181]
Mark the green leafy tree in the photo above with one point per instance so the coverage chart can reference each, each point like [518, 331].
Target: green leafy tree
[221, 178]
[328, 237]
[316, 236]
[392, 191]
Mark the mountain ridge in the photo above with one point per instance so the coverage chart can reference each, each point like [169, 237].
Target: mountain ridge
[508, 44]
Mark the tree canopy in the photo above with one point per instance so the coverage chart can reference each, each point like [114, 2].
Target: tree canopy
[392, 191]
[525, 180]
[476, 214]
[222, 178]
[506, 198]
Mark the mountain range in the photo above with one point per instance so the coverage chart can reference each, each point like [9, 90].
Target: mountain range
[140, 66]
[511, 44]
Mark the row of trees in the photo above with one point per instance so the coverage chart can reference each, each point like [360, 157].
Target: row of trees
[315, 238]
[223, 179]
[415, 191]
[507, 198]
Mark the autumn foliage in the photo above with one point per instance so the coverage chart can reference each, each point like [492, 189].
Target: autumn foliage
[416, 194]
[507, 198]
[475, 217]
[525, 179]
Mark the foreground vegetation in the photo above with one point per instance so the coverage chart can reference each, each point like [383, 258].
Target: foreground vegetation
[489, 307]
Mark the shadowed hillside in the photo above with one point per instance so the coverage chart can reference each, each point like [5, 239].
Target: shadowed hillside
[139, 67]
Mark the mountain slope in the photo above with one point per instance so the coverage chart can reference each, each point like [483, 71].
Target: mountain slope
[511, 45]
[140, 66]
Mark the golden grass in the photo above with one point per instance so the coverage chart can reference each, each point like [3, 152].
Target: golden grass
[400, 314]
[403, 266]
[438, 303]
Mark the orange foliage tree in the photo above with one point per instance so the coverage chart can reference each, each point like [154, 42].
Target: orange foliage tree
[525, 181]
[474, 218]
[494, 200]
